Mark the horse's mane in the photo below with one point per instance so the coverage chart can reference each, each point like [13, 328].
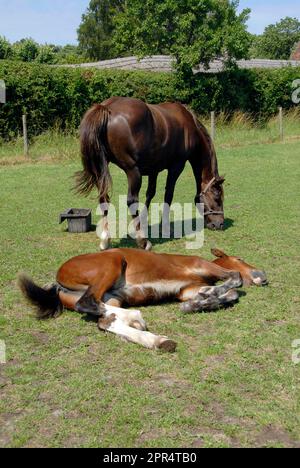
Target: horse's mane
[208, 140]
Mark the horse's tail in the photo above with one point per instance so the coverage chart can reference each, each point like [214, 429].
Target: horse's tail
[45, 300]
[93, 139]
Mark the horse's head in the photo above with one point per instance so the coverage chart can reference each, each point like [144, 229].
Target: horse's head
[250, 274]
[212, 197]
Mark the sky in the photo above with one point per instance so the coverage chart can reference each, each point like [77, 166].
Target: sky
[56, 21]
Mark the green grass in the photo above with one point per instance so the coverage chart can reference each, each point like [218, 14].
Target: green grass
[232, 381]
[48, 146]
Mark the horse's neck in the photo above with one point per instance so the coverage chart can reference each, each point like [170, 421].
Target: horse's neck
[208, 154]
[210, 165]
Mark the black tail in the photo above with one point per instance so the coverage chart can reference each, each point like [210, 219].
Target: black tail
[46, 301]
[93, 139]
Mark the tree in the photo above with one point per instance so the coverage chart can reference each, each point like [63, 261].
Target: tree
[26, 50]
[69, 54]
[96, 30]
[194, 31]
[278, 40]
[46, 55]
[5, 48]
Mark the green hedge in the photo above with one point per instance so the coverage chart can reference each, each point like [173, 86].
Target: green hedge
[57, 96]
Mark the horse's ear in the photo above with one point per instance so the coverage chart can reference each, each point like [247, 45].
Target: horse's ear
[218, 253]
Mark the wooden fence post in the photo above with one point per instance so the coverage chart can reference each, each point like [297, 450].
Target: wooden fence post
[213, 125]
[281, 124]
[25, 136]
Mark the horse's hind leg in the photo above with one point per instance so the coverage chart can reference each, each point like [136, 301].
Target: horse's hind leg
[134, 187]
[133, 318]
[103, 230]
[114, 324]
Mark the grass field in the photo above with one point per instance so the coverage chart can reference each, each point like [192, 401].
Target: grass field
[232, 382]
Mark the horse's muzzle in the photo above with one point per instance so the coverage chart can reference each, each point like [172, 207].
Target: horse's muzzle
[259, 278]
[216, 226]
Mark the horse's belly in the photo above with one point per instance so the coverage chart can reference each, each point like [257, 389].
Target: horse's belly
[151, 293]
[160, 161]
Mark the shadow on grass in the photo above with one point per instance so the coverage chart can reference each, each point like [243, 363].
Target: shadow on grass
[187, 227]
[92, 319]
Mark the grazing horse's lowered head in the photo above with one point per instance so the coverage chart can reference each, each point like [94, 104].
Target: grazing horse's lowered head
[251, 275]
[212, 197]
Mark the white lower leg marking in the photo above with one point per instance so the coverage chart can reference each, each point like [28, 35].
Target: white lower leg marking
[127, 316]
[146, 339]
[105, 240]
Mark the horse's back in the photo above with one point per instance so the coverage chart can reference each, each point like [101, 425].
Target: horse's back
[183, 126]
[150, 135]
[132, 109]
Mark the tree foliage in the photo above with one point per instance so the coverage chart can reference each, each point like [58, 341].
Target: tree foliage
[26, 50]
[278, 40]
[5, 48]
[96, 31]
[194, 31]
[57, 97]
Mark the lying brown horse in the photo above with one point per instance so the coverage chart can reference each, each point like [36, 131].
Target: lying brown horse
[144, 140]
[100, 284]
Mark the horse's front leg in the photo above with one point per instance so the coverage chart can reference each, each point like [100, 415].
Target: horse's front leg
[173, 176]
[103, 233]
[210, 297]
[197, 297]
[134, 187]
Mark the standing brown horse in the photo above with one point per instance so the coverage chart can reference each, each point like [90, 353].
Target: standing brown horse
[144, 140]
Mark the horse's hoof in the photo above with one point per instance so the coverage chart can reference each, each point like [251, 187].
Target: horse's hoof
[230, 297]
[167, 346]
[144, 244]
[148, 247]
[188, 308]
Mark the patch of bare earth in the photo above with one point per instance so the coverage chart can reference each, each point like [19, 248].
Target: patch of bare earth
[40, 337]
[8, 423]
[155, 434]
[214, 435]
[274, 435]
